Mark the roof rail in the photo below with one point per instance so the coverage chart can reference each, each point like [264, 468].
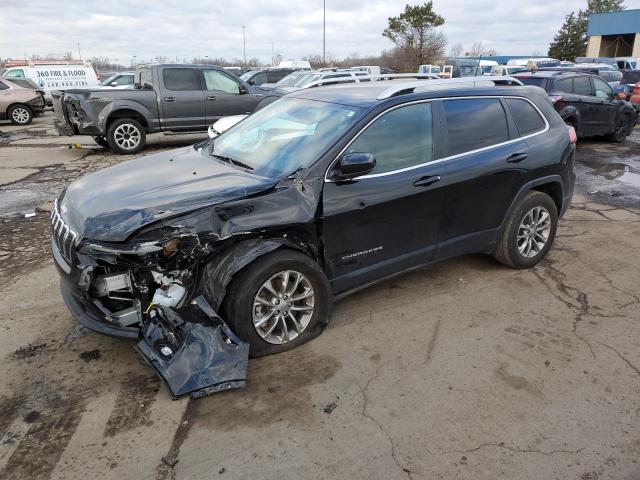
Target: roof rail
[393, 76]
[446, 83]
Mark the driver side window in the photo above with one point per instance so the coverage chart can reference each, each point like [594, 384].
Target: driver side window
[398, 139]
[603, 90]
[216, 80]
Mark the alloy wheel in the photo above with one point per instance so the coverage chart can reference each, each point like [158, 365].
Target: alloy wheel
[127, 136]
[283, 307]
[533, 232]
[20, 115]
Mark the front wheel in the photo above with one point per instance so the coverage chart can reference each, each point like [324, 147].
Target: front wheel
[529, 231]
[623, 129]
[126, 136]
[278, 302]
[20, 115]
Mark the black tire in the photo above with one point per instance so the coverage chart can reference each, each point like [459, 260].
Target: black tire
[507, 251]
[20, 114]
[118, 144]
[102, 141]
[623, 129]
[237, 306]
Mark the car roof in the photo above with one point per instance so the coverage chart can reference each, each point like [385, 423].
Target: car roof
[550, 73]
[365, 95]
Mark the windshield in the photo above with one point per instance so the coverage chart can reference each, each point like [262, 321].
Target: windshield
[536, 82]
[291, 79]
[486, 69]
[289, 134]
[108, 80]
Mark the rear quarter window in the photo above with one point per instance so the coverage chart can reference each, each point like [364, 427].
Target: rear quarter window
[475, 123]
[527, 118]
[564, 85]
[181, 79]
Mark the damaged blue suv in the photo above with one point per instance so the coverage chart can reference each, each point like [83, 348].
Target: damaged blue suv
[319, 194]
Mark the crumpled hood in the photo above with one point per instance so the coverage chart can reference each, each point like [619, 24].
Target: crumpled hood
[112, 204]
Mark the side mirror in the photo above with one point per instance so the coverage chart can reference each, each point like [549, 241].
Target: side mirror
[353, 165]
[251, 81]
[243, 89]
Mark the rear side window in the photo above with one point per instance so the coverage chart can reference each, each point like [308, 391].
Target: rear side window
[398, 139]
[582, 85]
[564, 85]
[180, 79]
[527, 118]
[475, 123]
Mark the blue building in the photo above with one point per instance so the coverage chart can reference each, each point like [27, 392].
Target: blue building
[614, 34]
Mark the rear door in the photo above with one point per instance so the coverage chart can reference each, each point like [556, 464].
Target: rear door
[587, 104]
[226, 95]
[386, 221]
[182, 99]
[488, 162]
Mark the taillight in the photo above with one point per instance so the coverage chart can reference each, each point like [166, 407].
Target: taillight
[573, 138]
[555, 98]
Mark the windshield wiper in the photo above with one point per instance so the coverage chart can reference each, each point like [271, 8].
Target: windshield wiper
[232, 161]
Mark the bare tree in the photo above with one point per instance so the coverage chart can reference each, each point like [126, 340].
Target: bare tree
[456, 50]
[479, 50]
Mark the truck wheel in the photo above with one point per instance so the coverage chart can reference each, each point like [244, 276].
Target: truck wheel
[102, 141]
[278, 302]
[529, 231]
[20, 115]
[126, 136]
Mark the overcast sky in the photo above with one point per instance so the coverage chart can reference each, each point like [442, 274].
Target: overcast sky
[120, 29]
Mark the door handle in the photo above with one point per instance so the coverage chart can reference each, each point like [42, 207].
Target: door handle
[211, 98]
[426, 181]
[169, 99]
[517, 157]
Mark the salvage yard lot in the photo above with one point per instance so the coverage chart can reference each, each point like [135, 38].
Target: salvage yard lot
[466, 369]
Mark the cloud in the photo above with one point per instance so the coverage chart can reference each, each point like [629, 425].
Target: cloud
[180, 29]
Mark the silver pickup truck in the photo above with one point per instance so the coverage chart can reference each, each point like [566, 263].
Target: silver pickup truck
[173, 98]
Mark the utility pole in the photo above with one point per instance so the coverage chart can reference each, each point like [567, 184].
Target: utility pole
[324, 32]
[79, 54]
[272, 58]
[244, 47]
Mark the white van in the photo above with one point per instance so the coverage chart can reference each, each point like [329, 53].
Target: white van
[55, 77]
[297, 64]
[429, 69]
[370, 69]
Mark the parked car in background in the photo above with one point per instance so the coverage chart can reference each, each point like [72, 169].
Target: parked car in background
[628, 63]
[305, 79]
[297, 64]
[600, 60]
[369, 69]
[432, 69]
[266, 75]
[606, 71]
[630, 87]
[55, 77]
[586, 102]
[20, 102]
[318, 195]
[507, 69]
[167, 97]
[119, 80]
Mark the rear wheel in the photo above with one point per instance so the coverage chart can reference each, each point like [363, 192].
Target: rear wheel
[529, 231]
[623, 129]
[126, 136]
[278, 302]
[20, 115]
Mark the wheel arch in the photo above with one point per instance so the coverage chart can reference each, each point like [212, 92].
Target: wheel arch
[218, 273]
[552, 185]
[19, 104]
[126, 113]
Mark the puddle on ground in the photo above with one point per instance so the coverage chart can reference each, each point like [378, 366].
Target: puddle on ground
[615, 171]
[25, 198]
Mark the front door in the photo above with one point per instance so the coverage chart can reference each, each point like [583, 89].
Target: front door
[182, 99]
[385, 221]
[606, 105]
[225, 95]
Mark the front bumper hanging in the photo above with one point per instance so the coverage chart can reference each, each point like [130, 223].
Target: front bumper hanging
[193, 350]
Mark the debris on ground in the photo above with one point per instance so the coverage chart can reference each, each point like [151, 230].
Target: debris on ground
[169, 460]
[331, 407]
[29, 350]
[91, 355]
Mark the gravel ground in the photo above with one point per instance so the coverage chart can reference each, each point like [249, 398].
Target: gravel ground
[462, 370]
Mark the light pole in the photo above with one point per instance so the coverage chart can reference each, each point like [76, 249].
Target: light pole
[324, 32]
[79, 54]
[272, 59]
[244, 47]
